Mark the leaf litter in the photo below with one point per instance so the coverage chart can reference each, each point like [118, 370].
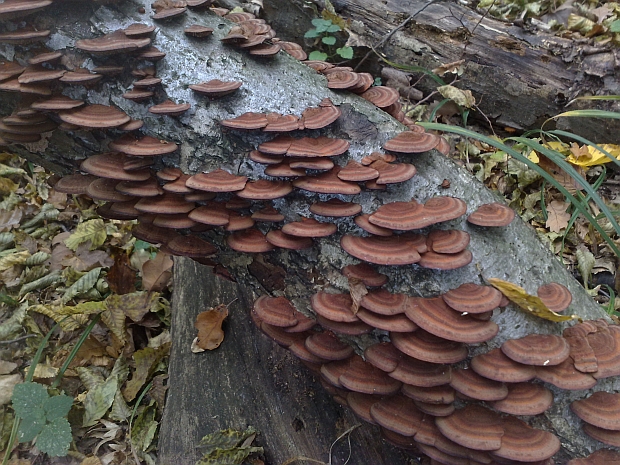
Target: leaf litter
[60, 262]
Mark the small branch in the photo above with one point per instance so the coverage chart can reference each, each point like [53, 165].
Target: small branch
[21, 338]
[391, 33]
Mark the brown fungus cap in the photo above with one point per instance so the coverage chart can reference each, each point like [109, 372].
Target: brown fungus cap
[138, 95]
[565, 376]
[443, 394]
[398, 414]
[249, 241]
[196, 30]
[448, 241]
[427, 347]
[412, 142]
[524, 399]
[393, 323]
[178, 185]
[363, 221]
[472, 298]
[276, 146]
[361, 404]
[334, 307]
[327, 183]
[17, 8]
[74, 183]
[238, 222]
[433, 315]
[263, 189]
[37, 73]
[217, 181]
[497, 366]
[342, 79]
[113, 43]
[293, 49]
[285, 241]
[327, 346]
[402, 216]
[537, 349]
[81, 76]
[268, 214]
[365, 82]
[105, 189]
[56, 103]
[599, 457]
[440, 261]
[361, 376]
[144, 146]
[321, 146]
[319, 117]
[24, 36]
[147, 188]
[492, 214]
[169, 108]
[265, 158]
[111, 165]
[473, 426]
[169, 13]
[166, 204]
[366, 274]
[190, 246]
[153, 234]
[281, 123]
[555, 296]
[383, 302]
[335, 208]
[384, 356]
[392, 250]
[381, 96]
[216, 88]
[320, 164]
[601, 409]
[350, 329]
[248, 121]
[138, 30]
[95, 116]
[264, 49]
[605, 344]
[606, 436]
[356, 172]
[309, 227]
[474, 386]
[393, 173]
[275, 311]
[523, 443]
[375, 156]
[10, 69]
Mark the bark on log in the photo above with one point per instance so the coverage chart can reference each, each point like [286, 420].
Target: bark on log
[519, 75]
[283, 85]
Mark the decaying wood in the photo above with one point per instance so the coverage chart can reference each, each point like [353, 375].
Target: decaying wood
[249, 380]
[519, 75]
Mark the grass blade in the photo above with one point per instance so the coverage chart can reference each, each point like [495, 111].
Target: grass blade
[518, 156]
[585, 141]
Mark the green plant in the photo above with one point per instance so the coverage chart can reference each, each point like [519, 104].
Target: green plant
[323, 33]
[43, 417]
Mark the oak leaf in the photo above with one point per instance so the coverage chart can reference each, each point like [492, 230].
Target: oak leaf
[209, 326]
[156, 273]
[557, 217]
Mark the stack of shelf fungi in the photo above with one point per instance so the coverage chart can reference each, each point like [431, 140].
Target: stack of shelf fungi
[419, 385]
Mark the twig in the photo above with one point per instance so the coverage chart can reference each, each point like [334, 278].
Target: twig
[392, 32]
[21, 338]
[471, 33]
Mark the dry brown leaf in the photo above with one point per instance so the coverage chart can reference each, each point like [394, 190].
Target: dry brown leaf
[557, 217]
[121, 276]
[156, 273]
[84, 259]
[10, 219]
[209, 326]
[561, 176]
[357, 291]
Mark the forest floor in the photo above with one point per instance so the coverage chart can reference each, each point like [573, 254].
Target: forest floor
[55, 249]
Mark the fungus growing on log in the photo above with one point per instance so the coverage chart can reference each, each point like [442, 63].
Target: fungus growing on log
[492, 215]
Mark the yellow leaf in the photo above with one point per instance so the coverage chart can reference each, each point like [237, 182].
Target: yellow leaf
[67, 322]
[590, 156]
[16, 258]
[92, 230]
[531, 304]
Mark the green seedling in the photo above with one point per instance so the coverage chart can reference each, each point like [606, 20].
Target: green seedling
[323, 33]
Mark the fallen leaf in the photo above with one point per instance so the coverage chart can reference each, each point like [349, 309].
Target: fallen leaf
[91, 230]
[121, 277]
[209, 326]
[7, 383]
[561, 176]
[463, 98]
[84, 259]
[147, 360]
[456, 67]
[357, 291]
[134, 305]
[156, 273]
[557, 216]
[530, 303]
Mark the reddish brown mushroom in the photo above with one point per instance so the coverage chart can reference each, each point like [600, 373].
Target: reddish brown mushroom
[327, 346]
[398, 414]
[382, 302]
[473, 426]
[249, 241]
[555, 296]
[474, 386]
[327, 183]
[473, 298]
[285, 241]
[427, 347]
[249, 120]
[217, 181]
[217, 88]
[537, 349]
[497, 366]
[334, 307]
[521, 442]
[492, 215]
[190, 246]
[111, 165]
[335, 208]
[599, 457]
[365, 273]
[113, 43]
[381, 96]
[448, 241]
[169, 108]
[95, 116]
[275, 311]
[309, 227]
[601, 409]
[263, 189]
[412, 142]
[525, 399]
[144, 146]
[392, 250]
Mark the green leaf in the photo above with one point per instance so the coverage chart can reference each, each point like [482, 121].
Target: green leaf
[82, 285]
[615, 26]
[57, 406]
[333, 28]
[55, 438]
[98, 400]
[143, 429]
[235, 456]
[321, 25]
[328, 40]
[318, 56]
[91, 230]
[30, 427]
[311, 34]
[225, 439]
[28, 400]
[345, 52]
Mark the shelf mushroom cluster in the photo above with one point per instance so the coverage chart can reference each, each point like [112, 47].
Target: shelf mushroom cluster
[409, 386]
[418, 387]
